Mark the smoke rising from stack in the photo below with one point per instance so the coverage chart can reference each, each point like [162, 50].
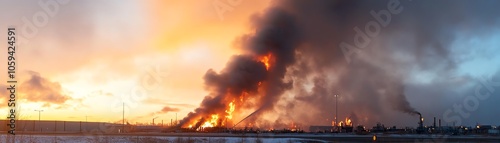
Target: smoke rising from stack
[308, 67]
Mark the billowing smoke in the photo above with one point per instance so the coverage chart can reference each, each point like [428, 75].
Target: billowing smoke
[307, 66]
[275, 39]
[242, 74]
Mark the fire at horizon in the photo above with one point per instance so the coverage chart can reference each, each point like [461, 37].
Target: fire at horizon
[223, 119]
[259, 64]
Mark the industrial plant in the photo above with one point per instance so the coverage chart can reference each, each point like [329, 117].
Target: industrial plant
[343, 127]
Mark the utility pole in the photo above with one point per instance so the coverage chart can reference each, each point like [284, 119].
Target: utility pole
[336, 111]
[86, 122]
[39, 117]
[123, 118]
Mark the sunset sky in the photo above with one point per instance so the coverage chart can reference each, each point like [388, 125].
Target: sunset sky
[90, 56]
[87, 58]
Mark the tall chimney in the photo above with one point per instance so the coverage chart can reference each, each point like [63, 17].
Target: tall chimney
[439, 123]
[421, 123]
[434, 122]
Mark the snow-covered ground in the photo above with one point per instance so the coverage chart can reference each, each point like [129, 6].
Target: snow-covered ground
[237, 138]
[140, 139]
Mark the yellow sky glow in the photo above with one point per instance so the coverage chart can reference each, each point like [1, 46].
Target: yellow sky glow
[101, 64]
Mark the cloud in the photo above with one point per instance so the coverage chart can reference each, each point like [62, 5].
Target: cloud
[40, 89]
[160, 102]
[99, 93]
[167, 109]
[164, 110]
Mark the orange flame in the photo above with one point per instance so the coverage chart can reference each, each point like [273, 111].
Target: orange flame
[265, 60]
[214, 118]
[347, 122]
[212, 122]
[230, 110]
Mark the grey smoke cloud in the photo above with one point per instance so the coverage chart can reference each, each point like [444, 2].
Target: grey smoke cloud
[304, 36]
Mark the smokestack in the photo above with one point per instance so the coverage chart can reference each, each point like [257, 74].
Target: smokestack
[439, 123]
[420, 123]
[434, 125]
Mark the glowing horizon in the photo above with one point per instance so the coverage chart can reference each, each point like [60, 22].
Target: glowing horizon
[81, 60]
[87, 76]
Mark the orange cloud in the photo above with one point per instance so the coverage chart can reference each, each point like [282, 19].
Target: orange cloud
[167, 109]
[161, 102]
[39, 89]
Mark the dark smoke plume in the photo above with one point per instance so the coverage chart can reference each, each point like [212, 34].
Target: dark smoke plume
[303, 40]
[276, 34]
[242, 74]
